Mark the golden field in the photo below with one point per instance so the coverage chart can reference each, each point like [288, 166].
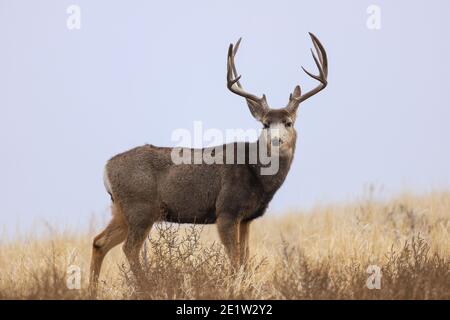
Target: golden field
[322, 253]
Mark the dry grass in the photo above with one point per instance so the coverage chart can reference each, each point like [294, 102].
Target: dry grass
[320, 254]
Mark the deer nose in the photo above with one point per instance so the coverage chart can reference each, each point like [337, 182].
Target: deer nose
[276, 142]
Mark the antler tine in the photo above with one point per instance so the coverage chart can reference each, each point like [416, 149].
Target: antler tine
[321, 62]
[321, 53]
[232, 73]
[319, 66]
[235, 50]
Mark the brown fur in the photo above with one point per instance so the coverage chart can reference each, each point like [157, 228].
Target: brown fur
[147, 187]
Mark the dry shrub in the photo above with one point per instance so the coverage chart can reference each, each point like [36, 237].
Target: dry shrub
[323, 253]
[410, 273]
[45, 279]
[414, 273]
[178, 266]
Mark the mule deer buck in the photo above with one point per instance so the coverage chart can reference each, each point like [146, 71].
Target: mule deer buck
[147, 187]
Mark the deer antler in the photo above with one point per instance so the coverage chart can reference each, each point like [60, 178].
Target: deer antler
[322, 64]
[234, 84]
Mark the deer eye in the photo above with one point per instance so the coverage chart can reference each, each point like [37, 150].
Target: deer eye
[289, 124]
[266, 125]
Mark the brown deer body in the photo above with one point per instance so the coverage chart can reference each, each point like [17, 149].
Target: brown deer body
[146, 186]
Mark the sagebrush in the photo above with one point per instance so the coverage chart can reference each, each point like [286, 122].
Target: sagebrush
[324, 253]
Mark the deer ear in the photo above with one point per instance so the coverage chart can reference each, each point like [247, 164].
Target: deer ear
[255, 109]
[258, 109]
[294, 100]
[297, 93]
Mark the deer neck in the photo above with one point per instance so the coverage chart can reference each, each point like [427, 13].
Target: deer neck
[272, 182]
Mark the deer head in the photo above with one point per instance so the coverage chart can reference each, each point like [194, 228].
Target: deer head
[278, 124]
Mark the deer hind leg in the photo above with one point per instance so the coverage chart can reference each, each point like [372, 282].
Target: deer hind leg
[132, 247]
[244, 228]
[140, 221]
[228, 227]
[114, 234]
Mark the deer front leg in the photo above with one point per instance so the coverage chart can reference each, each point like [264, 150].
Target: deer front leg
[244, 228]
[228, 227]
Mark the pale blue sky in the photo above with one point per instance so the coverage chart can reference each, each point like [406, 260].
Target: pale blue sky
[137, 70]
